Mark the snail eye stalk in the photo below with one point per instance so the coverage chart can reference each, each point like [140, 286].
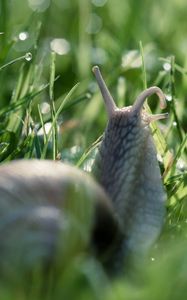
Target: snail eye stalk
[108, 100]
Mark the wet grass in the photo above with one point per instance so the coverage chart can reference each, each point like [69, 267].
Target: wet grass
[51, 108]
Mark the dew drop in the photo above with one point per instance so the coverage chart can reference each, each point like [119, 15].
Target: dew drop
[167, 66]
[159, 158]
[28, 56]
[88, 95]
[23, 36]
[45, 108]
[60, 46]
[181, 165]
[152, 259]
[174, 124]
[168, 97]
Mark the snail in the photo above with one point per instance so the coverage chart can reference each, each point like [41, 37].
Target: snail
[121, 203]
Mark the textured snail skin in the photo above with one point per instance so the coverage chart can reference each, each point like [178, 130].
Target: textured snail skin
[126, 166]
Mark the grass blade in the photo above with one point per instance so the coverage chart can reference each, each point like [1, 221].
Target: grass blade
[56, 117]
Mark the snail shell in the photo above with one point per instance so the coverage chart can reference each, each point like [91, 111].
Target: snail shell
[41, 201]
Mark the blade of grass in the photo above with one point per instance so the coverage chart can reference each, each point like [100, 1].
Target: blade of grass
[42, 123]
[76, 101]
[17, 88]
[172, 92]
[88, 151]
[143, 65]
[15, 119]
[13, 61]
[21, 149]
[4, 21]
[177, 157]
[52, 105]
[47, 117]
[178, 68]
[25, 100]
[37, 145]
[56, 117]
[158, 136]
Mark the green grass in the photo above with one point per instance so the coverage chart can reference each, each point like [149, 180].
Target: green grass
[76, 118]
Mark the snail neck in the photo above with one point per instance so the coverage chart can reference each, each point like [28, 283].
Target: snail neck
[118, 159]
[126, 166]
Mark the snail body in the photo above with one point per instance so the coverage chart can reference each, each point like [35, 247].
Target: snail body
[123, 207]
[126, 166]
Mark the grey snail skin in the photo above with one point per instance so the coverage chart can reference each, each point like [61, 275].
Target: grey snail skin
[121, 203]
[126, 167]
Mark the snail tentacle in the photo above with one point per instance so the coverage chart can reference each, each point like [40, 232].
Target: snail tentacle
[146, 93]
[109, 101]
[153, 118]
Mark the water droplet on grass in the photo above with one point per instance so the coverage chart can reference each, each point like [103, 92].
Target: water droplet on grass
[168, 97]
[23, 36]
[182, 166]
[45, 108]
[28, 56]
[60, 46]
[167, 66]
[174, 124]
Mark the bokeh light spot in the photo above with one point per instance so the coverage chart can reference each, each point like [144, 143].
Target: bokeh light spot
[23, 36]
[60, 46]
[99, 3]
[39, 5]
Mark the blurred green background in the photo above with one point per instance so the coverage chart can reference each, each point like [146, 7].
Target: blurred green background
[84, 33]
[107, 33]
[104, 32]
